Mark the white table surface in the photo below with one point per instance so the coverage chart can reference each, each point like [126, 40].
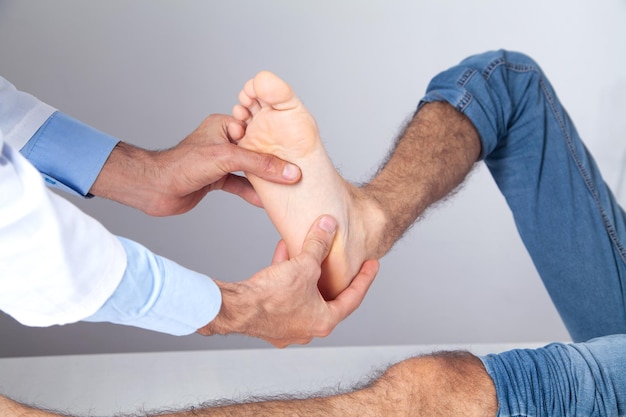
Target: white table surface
[116, 383]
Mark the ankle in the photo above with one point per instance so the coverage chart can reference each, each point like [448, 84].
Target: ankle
[372, 222]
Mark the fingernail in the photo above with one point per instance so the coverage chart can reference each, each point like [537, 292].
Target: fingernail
[328, 224]
[291, 172]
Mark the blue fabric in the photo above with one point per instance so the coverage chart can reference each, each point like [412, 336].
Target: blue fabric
[581, 379]
[68, 153]
[566, 215]
[571, 225]
[154, 293]
[158, 294]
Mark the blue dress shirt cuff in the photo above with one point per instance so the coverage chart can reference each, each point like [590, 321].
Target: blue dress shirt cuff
[68, 153]
[158, 294]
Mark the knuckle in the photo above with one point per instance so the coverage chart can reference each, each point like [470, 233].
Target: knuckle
[325, 329]
[309, 266]
[325, 332]
[212, 118]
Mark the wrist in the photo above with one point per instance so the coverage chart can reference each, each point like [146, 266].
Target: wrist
[234, 312]
[130, 176]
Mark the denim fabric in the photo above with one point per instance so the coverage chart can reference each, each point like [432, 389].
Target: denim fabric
[569, 221]
[581, 379]
[567, 217]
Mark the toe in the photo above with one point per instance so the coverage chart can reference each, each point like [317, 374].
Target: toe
[249, 101]
[241, 113]
[270, 89]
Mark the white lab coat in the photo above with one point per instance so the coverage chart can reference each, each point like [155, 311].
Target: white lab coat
[57, 264]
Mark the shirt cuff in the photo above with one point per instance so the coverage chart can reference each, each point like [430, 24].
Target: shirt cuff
[68, 153]
[158, 294]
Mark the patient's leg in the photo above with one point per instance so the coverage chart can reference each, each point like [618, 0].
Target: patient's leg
[278, 123]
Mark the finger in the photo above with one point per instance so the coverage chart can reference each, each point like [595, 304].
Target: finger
[265, 166]
[350, 298]
[280, 253]
[214, 126]
[223, 119]
[238, 185]
[320, 237]
[236, 130]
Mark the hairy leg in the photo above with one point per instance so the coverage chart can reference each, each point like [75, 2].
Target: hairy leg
[567, 217]
[278, 123]
[580, 379]
[10, 408]
[438, 385]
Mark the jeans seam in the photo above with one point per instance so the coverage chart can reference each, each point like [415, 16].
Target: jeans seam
[491, 67]
[464, 101]
[610, 228]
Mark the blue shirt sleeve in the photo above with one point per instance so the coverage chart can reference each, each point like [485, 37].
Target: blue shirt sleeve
[68, 153]
[155, 293]
[158, 294]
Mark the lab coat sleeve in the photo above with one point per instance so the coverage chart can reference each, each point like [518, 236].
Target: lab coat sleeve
[21, 115]
[57, 265]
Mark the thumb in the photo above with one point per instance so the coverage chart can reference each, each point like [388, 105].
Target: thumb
[320, 238]
[350, 298]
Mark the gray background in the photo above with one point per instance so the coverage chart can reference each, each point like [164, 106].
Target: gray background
[148, 72]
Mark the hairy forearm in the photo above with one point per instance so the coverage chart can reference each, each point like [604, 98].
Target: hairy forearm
[129, 177]
[431, 157]
[237, 312]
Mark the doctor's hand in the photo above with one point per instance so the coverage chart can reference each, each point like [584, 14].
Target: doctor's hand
[282, 304]
[173, 181]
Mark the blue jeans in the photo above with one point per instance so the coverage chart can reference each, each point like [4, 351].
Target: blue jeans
[570, 223]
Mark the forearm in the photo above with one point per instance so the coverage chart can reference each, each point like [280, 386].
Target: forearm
[130, 177]
[431, 157]
[237, 311]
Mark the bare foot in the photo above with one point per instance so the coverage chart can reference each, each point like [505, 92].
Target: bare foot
[278, 123]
